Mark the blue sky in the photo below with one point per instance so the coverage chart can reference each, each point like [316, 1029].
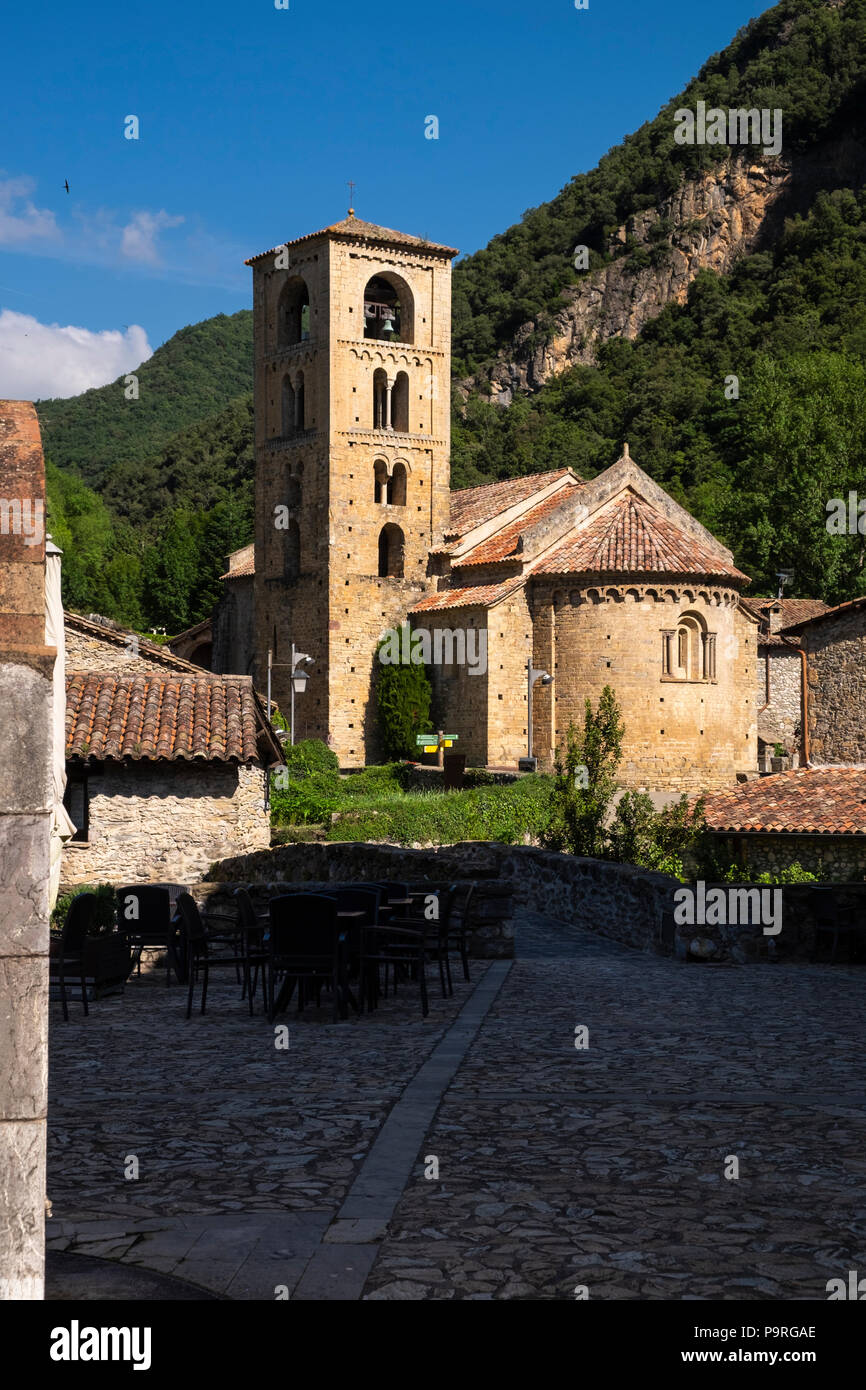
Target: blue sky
[252, 120]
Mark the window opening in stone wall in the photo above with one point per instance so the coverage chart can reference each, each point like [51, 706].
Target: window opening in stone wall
[293, 313]
[391, 552]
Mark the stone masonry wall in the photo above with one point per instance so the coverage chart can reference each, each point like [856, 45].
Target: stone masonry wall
[680, 735]
[167, 822]
[26, 799]
[781, 715]
[836, 665]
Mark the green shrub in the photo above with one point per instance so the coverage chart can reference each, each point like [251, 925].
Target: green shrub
[106, 913]
[403, 695]
[309, 756]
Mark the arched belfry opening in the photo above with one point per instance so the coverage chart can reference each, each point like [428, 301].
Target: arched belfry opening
[391, 552]
[293, 313]
[381, 481]
[389, 309]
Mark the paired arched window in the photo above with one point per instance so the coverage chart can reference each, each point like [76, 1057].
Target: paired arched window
[689, 650]
[388, 309]
[390, 401]
[390, 489]
[391, 550]
[293, 313]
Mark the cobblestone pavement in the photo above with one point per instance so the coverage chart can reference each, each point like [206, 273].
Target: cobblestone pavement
[603, 1169]
[600, 1168]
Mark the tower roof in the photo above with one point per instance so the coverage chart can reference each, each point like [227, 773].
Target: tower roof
[354, 229]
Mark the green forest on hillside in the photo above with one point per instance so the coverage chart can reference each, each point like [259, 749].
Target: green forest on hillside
[147, 502]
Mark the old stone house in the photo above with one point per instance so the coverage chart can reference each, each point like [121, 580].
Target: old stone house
[811, 816]
[166, 763]
[607, 581]
[833, 641]
[780, 686]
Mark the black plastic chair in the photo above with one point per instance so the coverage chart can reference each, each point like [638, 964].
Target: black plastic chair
[253, 927]
[307, 948]
[366, 902]
[73, 941]
[835, 922]
[144, 915]
[197, 953]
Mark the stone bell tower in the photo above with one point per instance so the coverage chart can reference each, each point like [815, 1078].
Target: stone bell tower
[352, 343]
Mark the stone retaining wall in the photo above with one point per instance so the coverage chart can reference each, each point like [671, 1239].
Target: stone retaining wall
[619, 901]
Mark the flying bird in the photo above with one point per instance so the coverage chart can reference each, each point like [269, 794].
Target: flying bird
[66, 185]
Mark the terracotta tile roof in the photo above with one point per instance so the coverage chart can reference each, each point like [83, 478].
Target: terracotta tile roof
[504, 545]
[156, 716]
[631, 537]
[241, 563]
[368, 231]
[805, 801]
[484, 594]
[791, 610]
[775, 639]
[470, 506]
[823, 612]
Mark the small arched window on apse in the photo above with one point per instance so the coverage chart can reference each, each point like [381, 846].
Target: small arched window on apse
[400, 403]
[381, 480]
[391, 549]
[299, 402]
[397, 490]
[389, 309]
[293, 313]
[689, 650]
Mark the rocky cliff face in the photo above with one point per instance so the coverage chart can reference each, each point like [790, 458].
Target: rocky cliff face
[713, 220]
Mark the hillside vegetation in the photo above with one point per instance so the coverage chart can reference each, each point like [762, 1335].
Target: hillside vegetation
[755, 459]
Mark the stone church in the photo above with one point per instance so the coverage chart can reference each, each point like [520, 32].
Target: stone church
[607, 581]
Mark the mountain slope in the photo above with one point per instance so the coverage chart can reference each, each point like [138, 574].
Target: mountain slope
[654, 213]
[188, 379]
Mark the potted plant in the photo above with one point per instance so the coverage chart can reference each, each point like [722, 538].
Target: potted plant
[107, 956]
[780, 761]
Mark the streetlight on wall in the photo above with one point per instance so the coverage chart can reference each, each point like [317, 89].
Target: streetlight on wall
[529, 763]
[299, 681]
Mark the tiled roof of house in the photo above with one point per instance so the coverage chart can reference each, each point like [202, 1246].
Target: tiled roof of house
[173, 717]
[775, 639]
[242, 563]
[471, 506]
[505, 544]
[631, 537]
[369, 231]
[805, 801]
[791, 610]
[822, 612]
[484, 594]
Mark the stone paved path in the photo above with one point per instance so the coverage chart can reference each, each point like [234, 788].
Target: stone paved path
[559, 1168]
[603, 1168]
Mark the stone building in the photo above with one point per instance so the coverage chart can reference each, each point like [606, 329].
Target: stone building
[233, 625]
[600, 582]
[780, 666]
[165, 762]
[834, 643]
[165, 774]
[811, 816]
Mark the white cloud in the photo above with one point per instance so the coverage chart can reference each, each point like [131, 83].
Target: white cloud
[138, 242]
[20, 220]
[38, 360]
